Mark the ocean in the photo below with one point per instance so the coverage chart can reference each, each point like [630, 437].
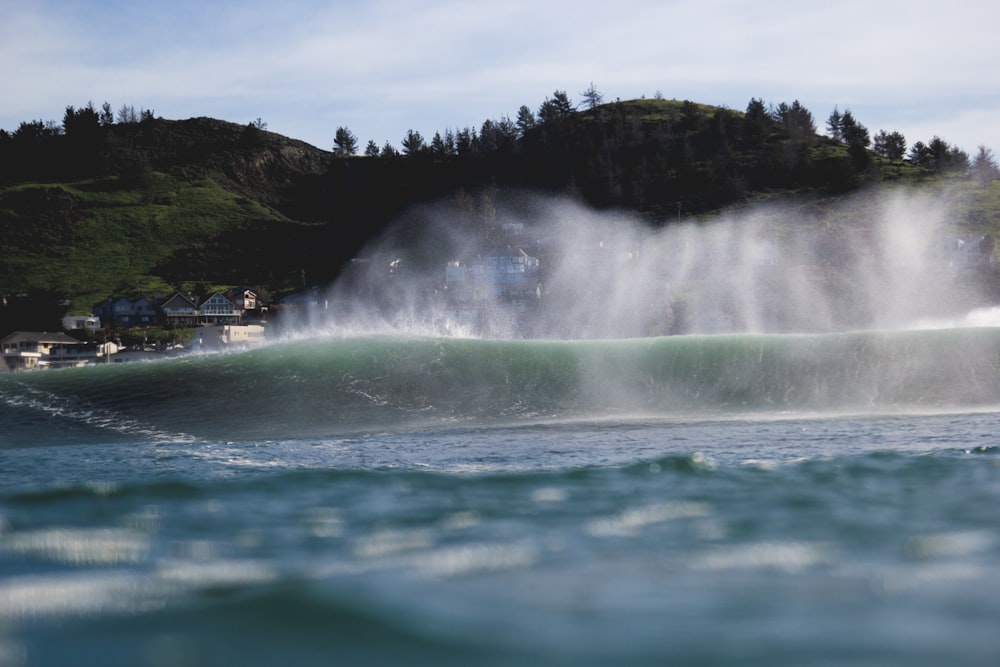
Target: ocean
[822, 499]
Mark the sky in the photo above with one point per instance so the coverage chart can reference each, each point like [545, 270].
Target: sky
[383, 67]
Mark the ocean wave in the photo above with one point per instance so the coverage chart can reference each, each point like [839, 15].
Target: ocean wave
[326, 386]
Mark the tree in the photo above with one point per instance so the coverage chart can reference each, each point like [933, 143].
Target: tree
[547, 113]
[525, 120]
[371, 150]
[756, 121]
[258, 124]
[592, 97]
[33, 148]
[796, 121]
[127, 114]
[891, 146]
[919, 155]
[413, 143]
[388, 150]
[488, 137]
[81, 122]
[437, 145]
[84, 137]
[564, 106]
[344, 143]
[984, 166]
[856, 136]
[947, 158]
[497, 135]
[555, 108]
[939, 156]
[35, 131]
[853, 133]
[107, 115]
[507, 132]
[465, 141]
[834, 125]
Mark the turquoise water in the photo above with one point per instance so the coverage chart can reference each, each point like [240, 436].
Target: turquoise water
[691, 500]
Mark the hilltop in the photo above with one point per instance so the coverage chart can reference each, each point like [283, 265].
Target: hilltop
[153, 205]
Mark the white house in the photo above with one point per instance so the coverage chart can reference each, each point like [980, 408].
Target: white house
[81, 322]
[224, 335]
[217, 309]
[30, 350]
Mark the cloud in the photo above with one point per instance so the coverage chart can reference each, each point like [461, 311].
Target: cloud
[385, 66]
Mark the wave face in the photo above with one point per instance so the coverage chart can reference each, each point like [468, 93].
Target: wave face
[331, 386]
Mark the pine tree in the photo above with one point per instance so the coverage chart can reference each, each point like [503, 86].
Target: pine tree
[592, 97]
[344, 143]
[984, 166]
[835, 125]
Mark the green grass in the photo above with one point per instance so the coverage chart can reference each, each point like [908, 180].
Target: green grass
[120, 236]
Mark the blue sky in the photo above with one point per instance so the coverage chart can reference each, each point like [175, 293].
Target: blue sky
[383, 67]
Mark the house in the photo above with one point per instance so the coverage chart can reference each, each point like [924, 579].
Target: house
[105, 312]
[81, 322]
[971, 253]
[123, 312]
[244, 299]
[224, 335]
[501, 279]
[217, 309]
[143, 312]
[179, 310]
[30, 350]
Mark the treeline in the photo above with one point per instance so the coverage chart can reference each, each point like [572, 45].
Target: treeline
[663, 158]
[83, 145]
[655, 156]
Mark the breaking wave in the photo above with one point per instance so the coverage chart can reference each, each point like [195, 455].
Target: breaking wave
[327, 386]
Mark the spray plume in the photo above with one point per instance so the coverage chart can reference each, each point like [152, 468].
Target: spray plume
[881, 260]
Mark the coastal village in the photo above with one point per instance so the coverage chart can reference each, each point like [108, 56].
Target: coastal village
[223, 319]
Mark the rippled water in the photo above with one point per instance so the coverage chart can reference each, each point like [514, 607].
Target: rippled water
[790, 539]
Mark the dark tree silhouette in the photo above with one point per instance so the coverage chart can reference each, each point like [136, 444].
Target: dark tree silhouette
[835, 125]
[891, 146]
[592, 97]
[344, 142]
[413, 143]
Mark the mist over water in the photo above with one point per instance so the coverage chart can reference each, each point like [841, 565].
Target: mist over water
[882, 260]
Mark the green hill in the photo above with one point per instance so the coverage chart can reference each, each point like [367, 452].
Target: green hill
[162, 206]
[96, 209]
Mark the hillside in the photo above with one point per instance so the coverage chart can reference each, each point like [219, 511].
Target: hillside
[160, 205]
[156, 207]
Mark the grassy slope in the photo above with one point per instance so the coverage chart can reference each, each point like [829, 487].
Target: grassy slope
[112, 239]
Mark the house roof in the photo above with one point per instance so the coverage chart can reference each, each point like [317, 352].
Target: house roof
[185, 301]
[40, 337]
[218, 303]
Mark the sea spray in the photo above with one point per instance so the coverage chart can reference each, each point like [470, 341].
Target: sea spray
[883, 259]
